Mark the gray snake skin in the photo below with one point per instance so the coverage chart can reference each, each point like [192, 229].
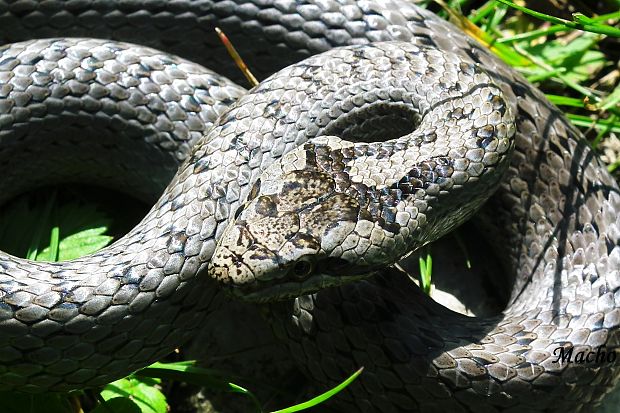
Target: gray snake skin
[83, 110]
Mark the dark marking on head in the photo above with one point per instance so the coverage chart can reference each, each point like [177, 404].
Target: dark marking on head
[337, 207]
[342, 181]
[305, 241]
[245, 238]
[290, 186]
[266, 206]
[301, 188]
[311, 156]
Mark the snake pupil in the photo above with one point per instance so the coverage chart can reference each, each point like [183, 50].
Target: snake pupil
[302, 268]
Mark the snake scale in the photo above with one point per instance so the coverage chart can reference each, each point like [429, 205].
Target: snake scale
[103, 111]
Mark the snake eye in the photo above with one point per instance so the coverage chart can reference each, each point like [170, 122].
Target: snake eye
[302, 268]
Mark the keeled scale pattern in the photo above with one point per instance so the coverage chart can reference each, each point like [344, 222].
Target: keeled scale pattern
[556, 211]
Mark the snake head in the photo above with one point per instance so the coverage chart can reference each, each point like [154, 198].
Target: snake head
[274, 251]
[287, 240]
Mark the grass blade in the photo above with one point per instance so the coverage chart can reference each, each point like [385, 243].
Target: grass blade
[579, 22]
[426, 272]
[586, 122]
[505, 53]
[566, 101]
[322, 397]
[236, 57]
[54, 243]
[33, 248]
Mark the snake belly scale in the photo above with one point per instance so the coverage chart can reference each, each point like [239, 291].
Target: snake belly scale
[128, 109]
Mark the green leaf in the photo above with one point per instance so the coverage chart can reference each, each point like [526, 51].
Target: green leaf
[499, 13]
[238, 389]
[118, 405]
[186, 372]
[581, 18]
[79, 244]
[533, 34]
[507, 54]
[54, 244]
[140, 391]
[481, 12]
[82, 230]
[576, 59]
[15, 402]
[51, 230]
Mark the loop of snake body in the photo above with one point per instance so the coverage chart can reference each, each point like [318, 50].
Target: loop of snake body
[126, 117]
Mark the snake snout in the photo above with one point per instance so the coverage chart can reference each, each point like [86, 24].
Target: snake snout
[280, 243]
[262, 254]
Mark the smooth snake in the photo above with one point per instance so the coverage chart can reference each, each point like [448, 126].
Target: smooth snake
[79, 110]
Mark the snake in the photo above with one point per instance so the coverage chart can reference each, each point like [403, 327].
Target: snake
[232, 175]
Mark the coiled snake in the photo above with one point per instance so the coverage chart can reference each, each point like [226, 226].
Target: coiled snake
[86, 110]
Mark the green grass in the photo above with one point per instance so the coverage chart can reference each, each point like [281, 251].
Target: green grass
[571, 59]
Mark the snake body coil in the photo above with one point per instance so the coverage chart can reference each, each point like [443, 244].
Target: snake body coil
[67, 103]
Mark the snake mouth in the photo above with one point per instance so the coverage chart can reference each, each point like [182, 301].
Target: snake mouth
[259, 292]
[274, 280]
